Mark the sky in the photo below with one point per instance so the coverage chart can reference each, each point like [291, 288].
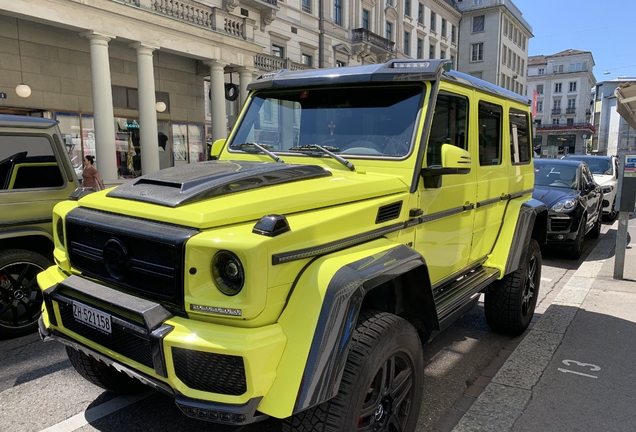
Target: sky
[606, 28]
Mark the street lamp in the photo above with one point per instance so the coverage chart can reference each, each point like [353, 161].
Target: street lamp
[22, 90]
[160, 106]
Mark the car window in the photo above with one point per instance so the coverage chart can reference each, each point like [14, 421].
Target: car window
[351, 121]
[28, 162]
[449, 126]
[489, 134]
[556, 175]
[587, 175]
[519, 137]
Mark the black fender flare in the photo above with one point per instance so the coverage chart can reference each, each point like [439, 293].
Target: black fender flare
[531, 223]
[339, 314]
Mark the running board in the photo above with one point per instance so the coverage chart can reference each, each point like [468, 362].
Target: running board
[453, 295]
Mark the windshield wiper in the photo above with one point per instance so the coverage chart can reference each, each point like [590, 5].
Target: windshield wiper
[328, 150]
[261, 147]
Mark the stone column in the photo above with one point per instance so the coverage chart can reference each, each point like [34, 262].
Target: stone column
[103, 117]
[217, 99]
[148, 134]
[245, 77]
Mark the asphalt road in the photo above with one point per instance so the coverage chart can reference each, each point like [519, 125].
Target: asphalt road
[39, 389]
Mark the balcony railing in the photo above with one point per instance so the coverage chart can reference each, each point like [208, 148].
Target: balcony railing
[211, 17]
[565, 127]
[266, 62]
[556, 111]
[364, 35]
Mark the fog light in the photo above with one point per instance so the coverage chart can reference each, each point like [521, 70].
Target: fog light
[560, 237]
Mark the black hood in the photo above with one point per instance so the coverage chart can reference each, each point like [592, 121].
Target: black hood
[551, 195]
[186, 184]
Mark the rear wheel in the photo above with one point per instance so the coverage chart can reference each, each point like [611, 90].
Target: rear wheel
[382, 385]
[510, 304]
[20, 295]
[103, 375]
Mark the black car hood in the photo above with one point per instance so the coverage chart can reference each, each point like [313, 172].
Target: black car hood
[173, 187]
[551, 195]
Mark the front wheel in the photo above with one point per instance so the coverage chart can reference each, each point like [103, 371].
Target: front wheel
[382, 385]
[510, 304]
[20, 295]
[595, 232]
[576, 250]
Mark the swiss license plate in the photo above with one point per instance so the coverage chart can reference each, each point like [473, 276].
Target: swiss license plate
[92, 317]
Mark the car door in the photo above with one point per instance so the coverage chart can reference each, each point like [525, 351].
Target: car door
[593, 195]
[445, 236]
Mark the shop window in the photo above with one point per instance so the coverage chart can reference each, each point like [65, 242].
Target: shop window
[128, 98]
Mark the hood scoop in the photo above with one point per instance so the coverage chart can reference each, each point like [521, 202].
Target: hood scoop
[187, 184]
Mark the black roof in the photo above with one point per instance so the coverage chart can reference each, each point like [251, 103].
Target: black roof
[26, 121]
[399, 70]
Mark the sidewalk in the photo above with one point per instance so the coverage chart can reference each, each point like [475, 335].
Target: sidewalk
[574, 370]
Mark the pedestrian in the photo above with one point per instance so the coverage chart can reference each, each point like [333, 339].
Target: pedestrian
[90, 177]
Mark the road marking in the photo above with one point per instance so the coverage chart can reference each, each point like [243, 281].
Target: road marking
[592, 367]
[543, 279]
[95, 413]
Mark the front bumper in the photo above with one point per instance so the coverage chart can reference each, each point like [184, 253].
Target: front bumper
[214, 372]
[562, 229]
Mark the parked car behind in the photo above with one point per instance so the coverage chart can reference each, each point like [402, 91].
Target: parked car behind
[35, 174]
[574, 201]
[605, 172]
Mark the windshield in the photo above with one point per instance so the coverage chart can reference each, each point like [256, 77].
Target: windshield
[365, 121]
[555, 175]
[598, 165]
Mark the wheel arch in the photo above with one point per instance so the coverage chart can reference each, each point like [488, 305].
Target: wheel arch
[523, 220]
[33, 239]
[398, 278]
[385, 285]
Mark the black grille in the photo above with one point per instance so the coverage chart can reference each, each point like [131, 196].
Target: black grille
[388, 212]
[120, 341]
[150, 254]
[215, 373]
[560, 224]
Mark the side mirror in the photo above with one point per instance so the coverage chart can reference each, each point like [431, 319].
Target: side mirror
[455, 160]
[215, 149]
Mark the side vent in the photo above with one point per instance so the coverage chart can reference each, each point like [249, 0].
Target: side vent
[388, 212]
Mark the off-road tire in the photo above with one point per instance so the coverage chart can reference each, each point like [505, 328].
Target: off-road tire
[103, 375]
[510, 304]
[596, 229]
[576, 250]
[20, 295]
[380, 341]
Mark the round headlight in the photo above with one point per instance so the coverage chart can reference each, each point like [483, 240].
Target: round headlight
[59, 228]
[228, 273]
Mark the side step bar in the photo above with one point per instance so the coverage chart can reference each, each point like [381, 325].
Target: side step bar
[453, 295]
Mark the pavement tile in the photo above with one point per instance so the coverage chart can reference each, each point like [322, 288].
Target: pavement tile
[556, 319]
[524, 367]
[495, 410]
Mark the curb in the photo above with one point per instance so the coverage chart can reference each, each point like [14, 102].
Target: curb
[504, 398]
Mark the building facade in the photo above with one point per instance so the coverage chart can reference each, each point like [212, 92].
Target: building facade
[561, 87]
[494, 42]
[143, 84]
[614, 136]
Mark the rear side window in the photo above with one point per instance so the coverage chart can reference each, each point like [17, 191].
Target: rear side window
[449, 126]
[520, 151]
[489, 134]
[28, 162]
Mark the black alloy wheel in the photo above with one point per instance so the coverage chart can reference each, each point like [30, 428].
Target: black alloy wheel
[382, 385]
[20, 295]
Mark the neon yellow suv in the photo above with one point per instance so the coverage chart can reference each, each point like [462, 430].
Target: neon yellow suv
[351, 215]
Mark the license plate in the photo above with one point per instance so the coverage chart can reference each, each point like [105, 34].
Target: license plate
[92, 317]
